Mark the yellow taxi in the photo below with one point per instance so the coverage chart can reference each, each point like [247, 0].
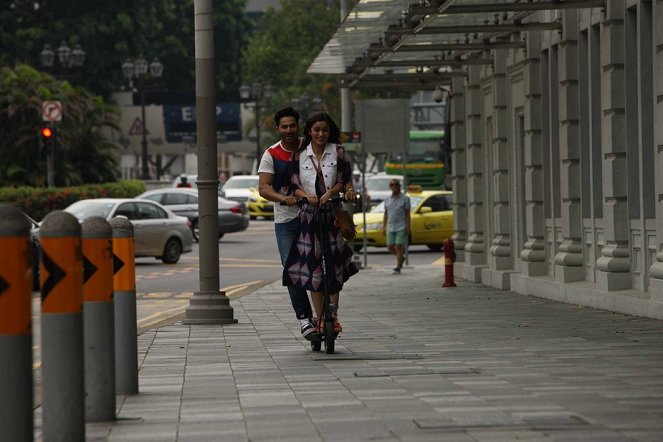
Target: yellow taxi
[259, 206]
[431, 220]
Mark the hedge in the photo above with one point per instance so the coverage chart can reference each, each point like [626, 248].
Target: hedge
[38, 202]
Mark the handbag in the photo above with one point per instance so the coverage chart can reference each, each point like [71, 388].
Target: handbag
[342, 218]
[343, 221]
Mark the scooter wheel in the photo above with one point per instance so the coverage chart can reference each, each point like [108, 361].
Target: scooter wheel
[330, 337]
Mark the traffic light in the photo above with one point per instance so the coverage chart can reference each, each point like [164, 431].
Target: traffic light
[47, 137]
[46, 133]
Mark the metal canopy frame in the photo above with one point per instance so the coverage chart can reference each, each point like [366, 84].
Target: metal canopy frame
[397, 45]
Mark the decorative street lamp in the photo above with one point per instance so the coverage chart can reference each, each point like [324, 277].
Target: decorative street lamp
[137, 69]
[68, 58]
[255, 93]
[305, 105]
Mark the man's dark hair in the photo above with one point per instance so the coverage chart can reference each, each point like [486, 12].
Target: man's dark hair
[285, 112]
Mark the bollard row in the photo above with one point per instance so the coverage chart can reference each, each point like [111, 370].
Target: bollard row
[88, 322]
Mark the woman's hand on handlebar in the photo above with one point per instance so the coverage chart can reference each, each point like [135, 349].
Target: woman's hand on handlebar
[312, 199]
[350, 195]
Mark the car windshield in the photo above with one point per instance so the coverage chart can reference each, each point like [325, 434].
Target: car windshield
[378, 183]
[414, 201]
[241, 183]
[85, 209]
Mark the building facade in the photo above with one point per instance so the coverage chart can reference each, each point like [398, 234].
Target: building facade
[558, 161]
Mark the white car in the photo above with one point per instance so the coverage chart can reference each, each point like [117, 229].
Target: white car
[240, 187]
[158, 232]
[377, 187]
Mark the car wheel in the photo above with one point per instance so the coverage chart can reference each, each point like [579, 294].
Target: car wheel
[195, 230]
[221, 235]
[171, 251]
[252, 217]
[434, 247]
[358, 246]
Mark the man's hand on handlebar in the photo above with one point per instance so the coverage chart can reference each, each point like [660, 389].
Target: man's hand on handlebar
[289, 201]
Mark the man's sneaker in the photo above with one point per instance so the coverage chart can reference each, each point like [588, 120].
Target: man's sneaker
[306, 327]
[396, 271]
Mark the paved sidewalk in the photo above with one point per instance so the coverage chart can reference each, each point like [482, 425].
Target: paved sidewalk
[415, 362]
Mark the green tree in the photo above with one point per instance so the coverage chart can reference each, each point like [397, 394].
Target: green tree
[113, 31]
[83, 152]
[284, 45]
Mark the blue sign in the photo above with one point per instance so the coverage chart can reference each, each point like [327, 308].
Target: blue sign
[180, 121]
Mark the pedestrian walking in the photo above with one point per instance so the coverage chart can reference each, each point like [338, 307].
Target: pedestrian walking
[396, 223]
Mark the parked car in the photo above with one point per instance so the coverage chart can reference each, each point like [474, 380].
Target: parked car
[240, 187]
[377, 187]
[158, 232]
[259, 206]
[431, 221]
[34, 250]
[233, 215]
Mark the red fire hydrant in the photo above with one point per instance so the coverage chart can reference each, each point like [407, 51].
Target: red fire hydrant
[449, 259]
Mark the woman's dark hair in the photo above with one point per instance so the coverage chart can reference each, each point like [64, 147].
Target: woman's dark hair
[334, 132]
[285, 112]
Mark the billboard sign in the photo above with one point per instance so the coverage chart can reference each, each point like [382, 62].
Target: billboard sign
[180, 122]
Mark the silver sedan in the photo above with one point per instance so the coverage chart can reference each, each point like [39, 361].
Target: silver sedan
[233, 215]
[158, 232]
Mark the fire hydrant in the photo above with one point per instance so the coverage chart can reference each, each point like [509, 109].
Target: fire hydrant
[449, 259]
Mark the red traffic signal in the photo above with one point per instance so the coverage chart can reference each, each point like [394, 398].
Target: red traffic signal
[46, 133]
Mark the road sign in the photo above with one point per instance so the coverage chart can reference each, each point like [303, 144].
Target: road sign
[51, 111]
[137, 128]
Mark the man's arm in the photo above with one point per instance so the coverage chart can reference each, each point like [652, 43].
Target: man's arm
[266, 190]
[385, 218]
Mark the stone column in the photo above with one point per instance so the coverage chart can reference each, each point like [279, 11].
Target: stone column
[500, 249]
[474, 248]
[656, 270]
[459, 160]
[569, 264]
[614, 265]
[533, 255]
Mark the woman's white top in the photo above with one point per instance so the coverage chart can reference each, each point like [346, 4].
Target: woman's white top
[327, 166]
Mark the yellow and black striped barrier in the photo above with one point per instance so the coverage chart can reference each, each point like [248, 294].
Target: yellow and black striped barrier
[16, 421]
[98, 321]
[124, 294]
[61, 278]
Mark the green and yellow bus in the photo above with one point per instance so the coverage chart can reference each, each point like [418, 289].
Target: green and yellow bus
[423, 165]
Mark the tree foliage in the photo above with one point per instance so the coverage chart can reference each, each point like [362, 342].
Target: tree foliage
[112, 31]
[284, 45]
[83, 153]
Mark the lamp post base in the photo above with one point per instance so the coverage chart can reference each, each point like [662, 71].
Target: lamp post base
[209, 308]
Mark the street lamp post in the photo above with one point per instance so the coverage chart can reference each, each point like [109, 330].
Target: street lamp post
[255, 93]
[69, 60]
[67, 57]
[137, 69]
[305, 105]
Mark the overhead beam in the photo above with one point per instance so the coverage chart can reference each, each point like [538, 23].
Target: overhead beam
[450, 47]
[424, 76]
[401, 85]
[416, 10]
[423, 62]
[464, 29]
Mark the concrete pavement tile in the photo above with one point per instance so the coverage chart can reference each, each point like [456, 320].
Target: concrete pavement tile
[508, 435]
[227, 431]
[333, 429]
[277, 428]
[644, 436]
[273, 398]
[144, 432]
